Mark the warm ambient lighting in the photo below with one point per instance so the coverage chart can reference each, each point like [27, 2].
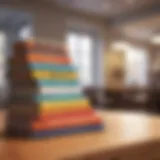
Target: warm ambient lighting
[156, 39]
[120, 45]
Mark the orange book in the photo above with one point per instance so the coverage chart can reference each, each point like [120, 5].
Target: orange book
[49, 116]
[47, 58]
[66, 122]
[48, 113]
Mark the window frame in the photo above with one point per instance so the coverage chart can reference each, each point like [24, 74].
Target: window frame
[97, 81]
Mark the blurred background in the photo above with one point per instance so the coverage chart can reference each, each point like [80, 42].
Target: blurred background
[115, 44]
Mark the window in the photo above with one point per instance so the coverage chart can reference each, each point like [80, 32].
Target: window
[137, 67]
[82, 55]
[2, 57]
[137, 63]
[3, 68]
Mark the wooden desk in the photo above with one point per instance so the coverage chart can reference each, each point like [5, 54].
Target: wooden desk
[127, 136]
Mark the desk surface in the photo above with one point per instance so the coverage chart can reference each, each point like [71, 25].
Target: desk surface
[122, 129]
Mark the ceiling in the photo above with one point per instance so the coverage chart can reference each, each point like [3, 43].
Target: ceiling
[107, 8]
[138, 19]
[142, 29]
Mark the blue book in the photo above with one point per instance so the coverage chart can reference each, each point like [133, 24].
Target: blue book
[52, 83]
[67, 131]
[58, 97]
[52, 67]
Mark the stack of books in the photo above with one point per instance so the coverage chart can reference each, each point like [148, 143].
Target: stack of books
[46, 98]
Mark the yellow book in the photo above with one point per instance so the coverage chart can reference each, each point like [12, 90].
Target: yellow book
[57, 109]
[54, 75]
[46, 104]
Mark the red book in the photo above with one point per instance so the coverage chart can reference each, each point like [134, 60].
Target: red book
[50, 116]
[72, 121]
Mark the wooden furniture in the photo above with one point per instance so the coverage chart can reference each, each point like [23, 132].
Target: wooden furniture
[127, 136]
[134, 98]
[155, 83]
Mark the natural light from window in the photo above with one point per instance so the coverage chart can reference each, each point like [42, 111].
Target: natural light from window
[80, 50]
[136, 63]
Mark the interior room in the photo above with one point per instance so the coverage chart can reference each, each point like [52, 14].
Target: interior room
[101, 79]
